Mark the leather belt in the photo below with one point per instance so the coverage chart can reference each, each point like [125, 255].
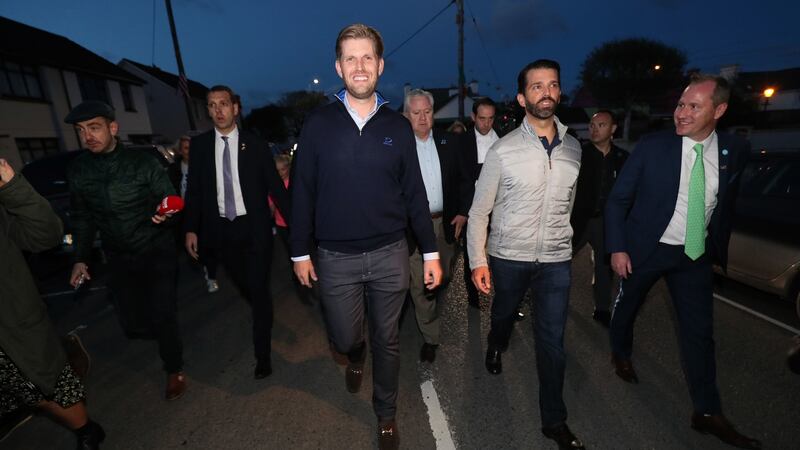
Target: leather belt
[436, 215]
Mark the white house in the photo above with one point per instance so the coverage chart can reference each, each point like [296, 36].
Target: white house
[42, 77]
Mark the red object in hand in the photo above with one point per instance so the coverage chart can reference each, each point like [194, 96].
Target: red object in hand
[170, 205]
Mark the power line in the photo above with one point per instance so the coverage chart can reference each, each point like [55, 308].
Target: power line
[420, 29]
[483, 44]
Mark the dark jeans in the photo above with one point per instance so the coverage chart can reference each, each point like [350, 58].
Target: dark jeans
[549, 283]
[603, 275]
[143, 288]
[248, 266]
[691, 289]
[380, 277]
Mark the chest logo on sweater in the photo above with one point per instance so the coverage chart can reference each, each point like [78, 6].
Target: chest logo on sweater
[388, 141]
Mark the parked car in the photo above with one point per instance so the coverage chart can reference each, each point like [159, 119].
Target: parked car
[49, 177]
[764, 251]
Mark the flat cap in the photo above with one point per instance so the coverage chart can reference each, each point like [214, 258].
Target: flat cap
[89, 110]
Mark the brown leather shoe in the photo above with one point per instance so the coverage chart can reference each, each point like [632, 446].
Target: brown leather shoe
[624, 369]
[388, 437]
[353, 376]
[176, 386]
[719, 426]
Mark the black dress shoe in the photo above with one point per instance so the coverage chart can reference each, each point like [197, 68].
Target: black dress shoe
[563, 437]
[719, 426]
[90, 436]
[494, 361]
[263, 369]
[624, 369]
[388, 437]
[428, 352]
[602, 317]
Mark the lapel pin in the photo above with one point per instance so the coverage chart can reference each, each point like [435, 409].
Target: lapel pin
[724, 152]
[244, 146]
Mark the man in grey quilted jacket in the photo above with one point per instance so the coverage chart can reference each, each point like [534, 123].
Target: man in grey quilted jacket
[527, 184]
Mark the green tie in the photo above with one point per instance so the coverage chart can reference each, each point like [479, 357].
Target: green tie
[696, 209]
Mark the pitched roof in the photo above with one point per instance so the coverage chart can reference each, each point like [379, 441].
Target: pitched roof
[786, 79]
[196, 90]
[28, 45]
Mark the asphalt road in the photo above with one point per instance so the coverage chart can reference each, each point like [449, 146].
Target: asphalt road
[304, 404]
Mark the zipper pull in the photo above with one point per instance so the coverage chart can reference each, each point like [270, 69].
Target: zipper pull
[550, 163]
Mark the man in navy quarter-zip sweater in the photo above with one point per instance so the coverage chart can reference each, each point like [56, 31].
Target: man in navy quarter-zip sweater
[356, 186]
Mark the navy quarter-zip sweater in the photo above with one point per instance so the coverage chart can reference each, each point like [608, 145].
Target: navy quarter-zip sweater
[356, 191]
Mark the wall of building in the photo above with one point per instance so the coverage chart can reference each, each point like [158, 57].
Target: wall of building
[167, 110]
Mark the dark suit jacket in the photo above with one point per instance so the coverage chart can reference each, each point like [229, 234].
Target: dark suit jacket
[589, 185]
[469, 159]
[456, 185]
[257, 176]
[643, 199]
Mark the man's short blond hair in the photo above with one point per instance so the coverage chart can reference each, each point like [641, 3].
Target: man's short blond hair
[360, 31]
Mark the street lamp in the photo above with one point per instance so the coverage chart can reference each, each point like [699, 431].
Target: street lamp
[768, 93]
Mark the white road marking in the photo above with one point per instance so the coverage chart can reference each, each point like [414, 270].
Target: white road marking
[757, 314]
[436, 417]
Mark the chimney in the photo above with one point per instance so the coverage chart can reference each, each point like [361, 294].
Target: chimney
[473, 87]
[729, 72]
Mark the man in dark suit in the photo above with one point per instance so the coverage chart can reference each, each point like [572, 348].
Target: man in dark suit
[449, 196]
[601, 163]
[231, 173]
[476, 142]
[669, 215]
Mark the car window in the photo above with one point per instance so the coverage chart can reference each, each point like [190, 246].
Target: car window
[778, 177]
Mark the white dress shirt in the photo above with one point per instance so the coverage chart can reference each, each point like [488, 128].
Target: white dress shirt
[484, 142]
[431, 172]
[184, 177]
[219, 147]
[675, 234]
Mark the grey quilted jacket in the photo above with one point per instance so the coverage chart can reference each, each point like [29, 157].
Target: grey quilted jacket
[529, 197]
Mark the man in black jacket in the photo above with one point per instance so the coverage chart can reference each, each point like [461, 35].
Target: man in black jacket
[476, 143]
[231, 175]
[356, 188]
[115, 190]
[448, 191]
[601, 162]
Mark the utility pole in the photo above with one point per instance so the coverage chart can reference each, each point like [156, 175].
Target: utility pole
[461, 81]
[183, 82]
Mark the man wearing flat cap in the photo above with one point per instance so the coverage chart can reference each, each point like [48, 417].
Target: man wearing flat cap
[115, 190]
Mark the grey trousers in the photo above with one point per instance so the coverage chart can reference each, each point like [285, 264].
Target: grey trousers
[379, 281]
[426, 305]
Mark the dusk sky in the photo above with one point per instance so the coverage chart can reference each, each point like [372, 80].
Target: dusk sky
[263, 49]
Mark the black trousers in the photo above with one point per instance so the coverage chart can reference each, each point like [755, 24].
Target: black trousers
[143, 289]
[603, 275]
[691, 289]
[248, 265]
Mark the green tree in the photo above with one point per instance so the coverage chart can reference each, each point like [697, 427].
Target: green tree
[297, 105]
[268, 122]
[631, 73]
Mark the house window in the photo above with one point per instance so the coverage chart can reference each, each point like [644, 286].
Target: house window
[31, 149]
[19, 80]
[127, 97]
[93, 88]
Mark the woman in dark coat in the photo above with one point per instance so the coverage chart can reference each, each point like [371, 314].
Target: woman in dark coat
[34, 372]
